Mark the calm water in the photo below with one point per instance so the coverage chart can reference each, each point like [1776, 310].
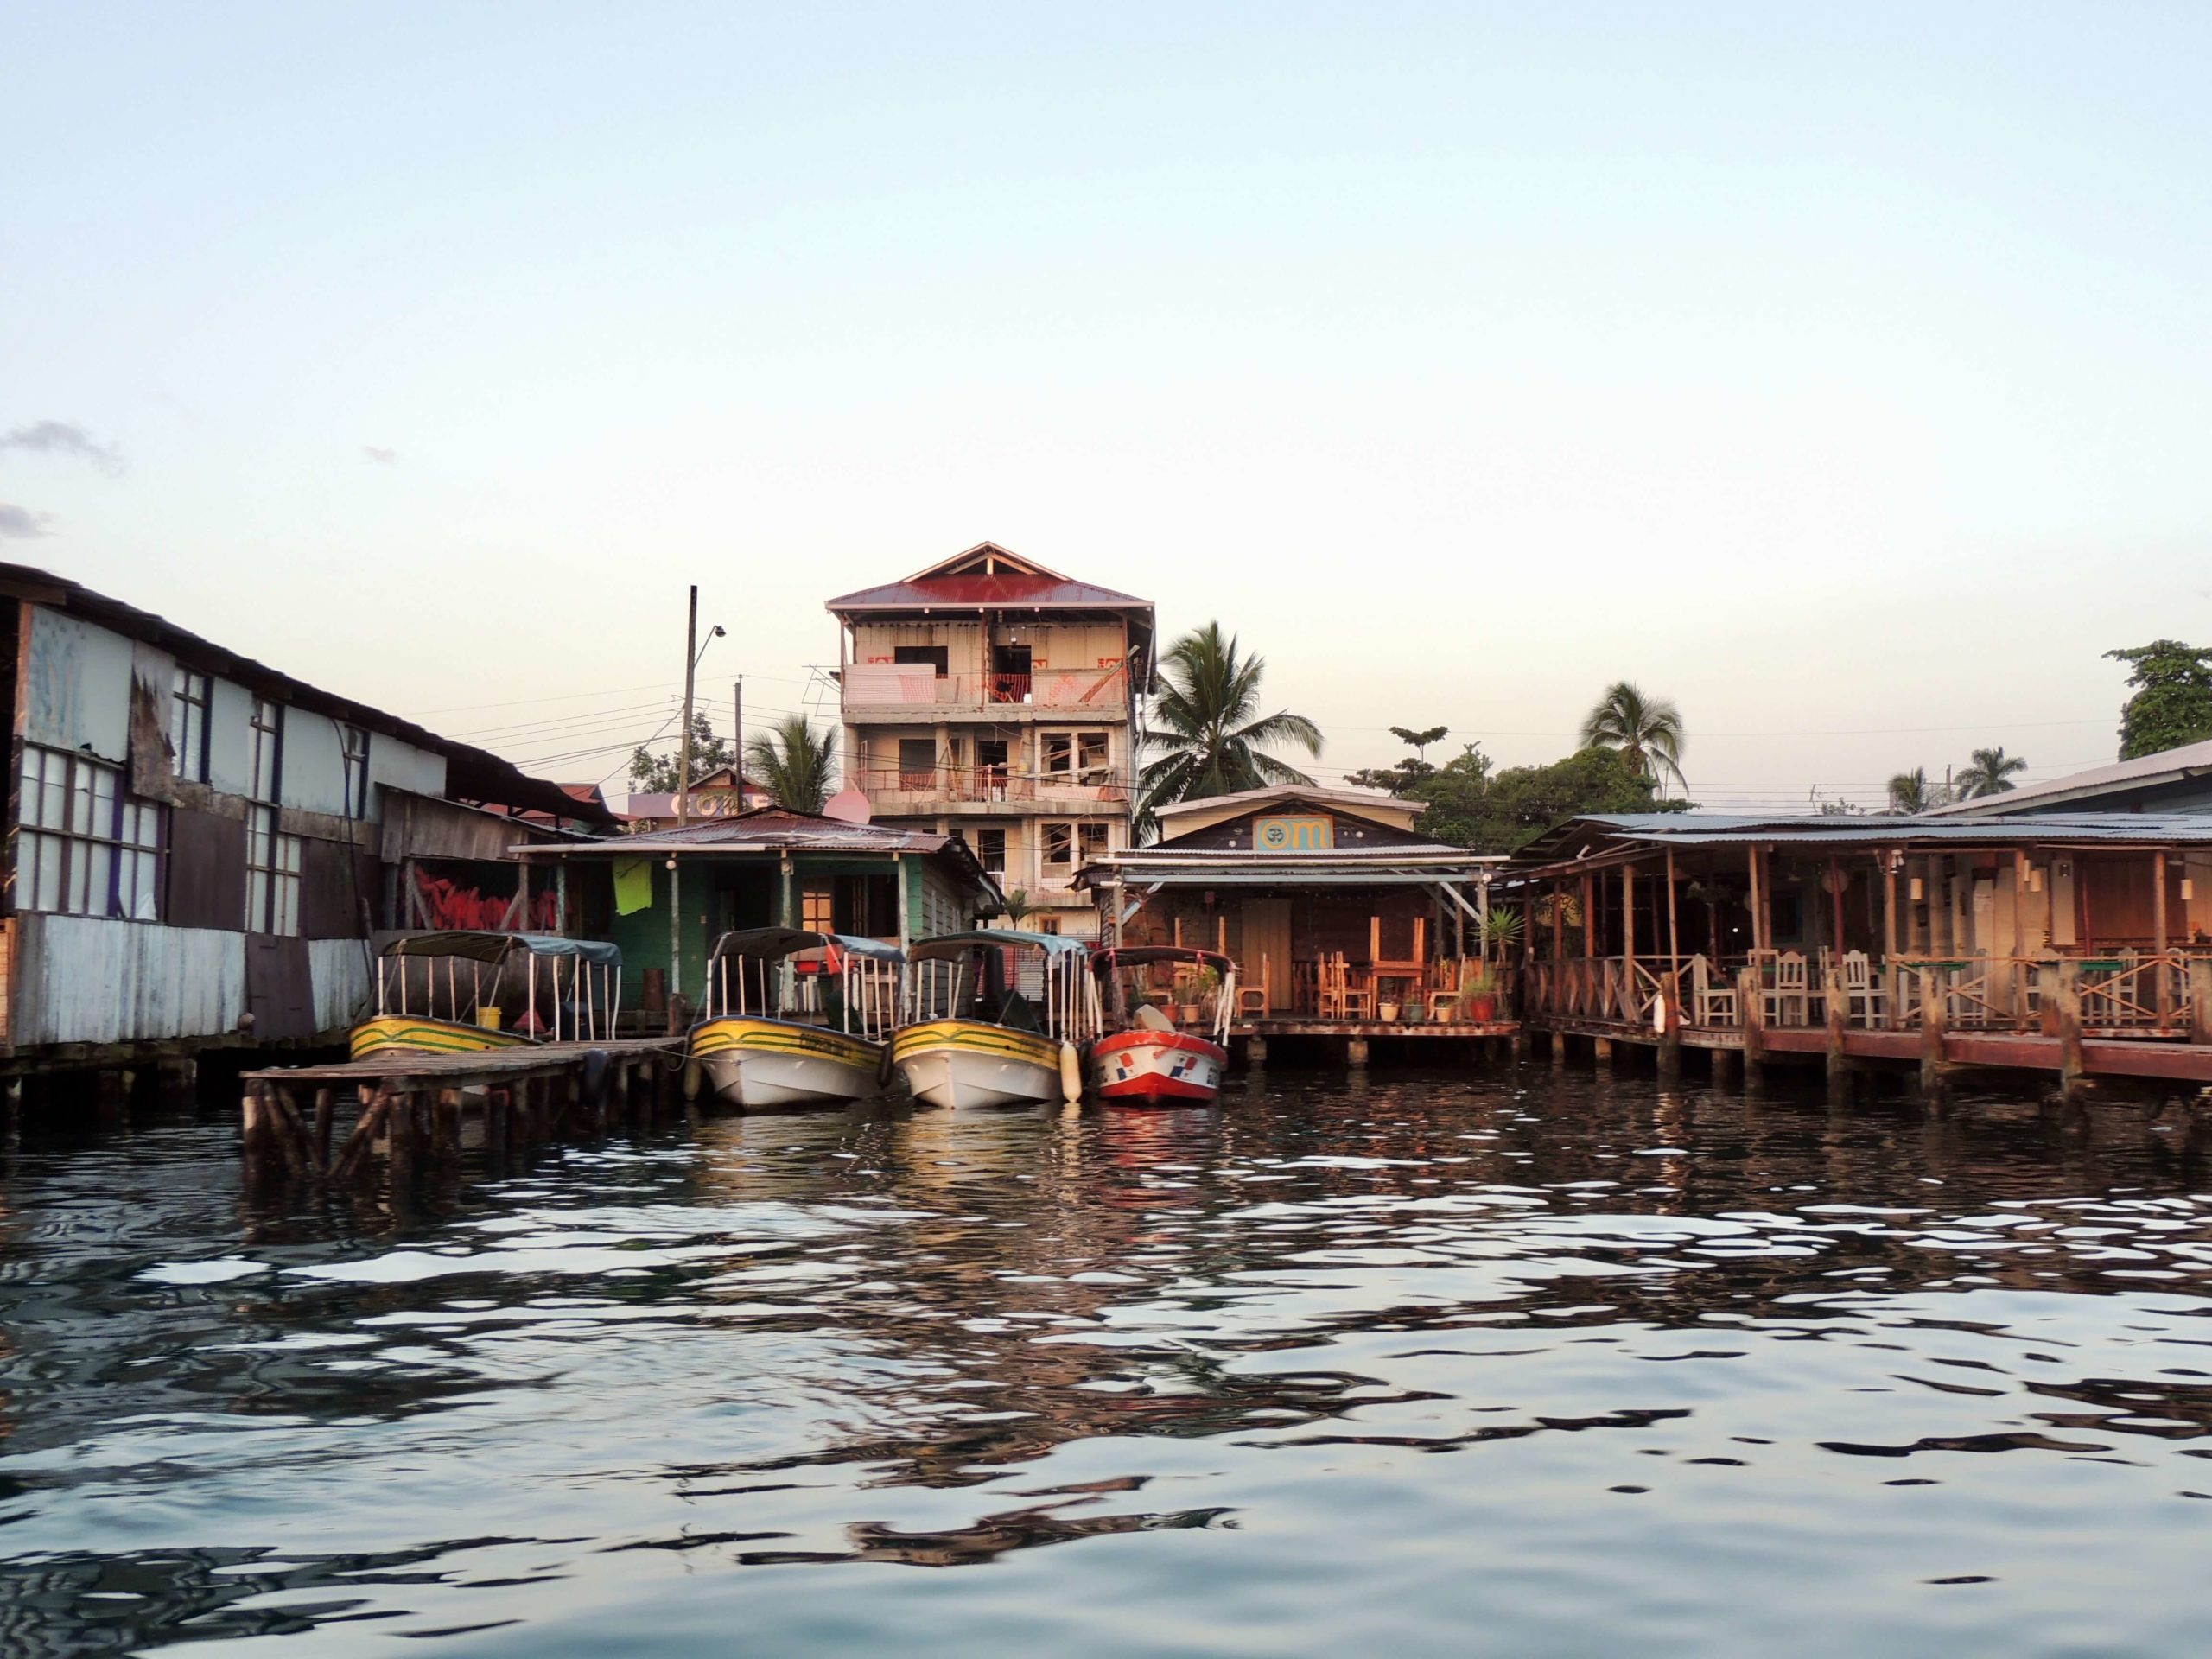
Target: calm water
[1504, 1365]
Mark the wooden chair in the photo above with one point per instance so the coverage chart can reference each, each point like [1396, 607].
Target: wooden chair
[1712, 1005]
[1790, 991]
[1330, 999]
[1864, 1002]
[1253, 999]
[1358, 999]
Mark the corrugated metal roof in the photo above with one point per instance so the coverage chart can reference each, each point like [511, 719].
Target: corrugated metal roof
[1596, 832]
[1349, 797]
[1028, 584]
[768, 830]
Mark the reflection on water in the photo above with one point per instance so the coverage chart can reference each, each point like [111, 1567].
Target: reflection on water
[1514, 1362]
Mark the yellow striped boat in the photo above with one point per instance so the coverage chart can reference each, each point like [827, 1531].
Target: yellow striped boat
[401, 1033]
[756, 1062]
[969, 1063]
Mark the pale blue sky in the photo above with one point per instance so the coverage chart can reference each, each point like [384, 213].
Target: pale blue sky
[1840, 374]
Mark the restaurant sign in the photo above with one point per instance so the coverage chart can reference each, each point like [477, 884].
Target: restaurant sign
[1306, 833]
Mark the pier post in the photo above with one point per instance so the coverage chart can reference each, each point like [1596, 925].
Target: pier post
[400, 1138]
[2069, 1031]
[1724, 1065]
[1256, 1053]
[324, 1125]
[1518, 1047]
[255, 1129]
[1558, 1040]
[1838, 1009]
[1932, 1023]
[1601, 1051]
[1751, 1004]
[1670, 1021]
[1356, 1052]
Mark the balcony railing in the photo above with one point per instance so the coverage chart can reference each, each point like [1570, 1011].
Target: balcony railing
[991, 783]
[1102, 692]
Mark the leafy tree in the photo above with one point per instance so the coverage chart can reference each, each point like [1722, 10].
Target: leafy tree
[652, 773]
[1989, 773]
[1207, 731]
[1647, 731]
[1017, 907]
[792, 764]
[1415, 767]
[1910, 792]
[1470, 805]
[2172, 704]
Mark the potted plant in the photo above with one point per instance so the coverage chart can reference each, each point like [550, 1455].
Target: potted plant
[1205, 986]
[1387, 1012]
[1478, 997]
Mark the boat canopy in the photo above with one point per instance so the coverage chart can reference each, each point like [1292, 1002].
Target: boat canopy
[1105, 961]
[493, 947]
[954, 944]
[772, 943]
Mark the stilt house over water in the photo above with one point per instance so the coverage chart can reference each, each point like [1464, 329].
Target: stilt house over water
[202, 850]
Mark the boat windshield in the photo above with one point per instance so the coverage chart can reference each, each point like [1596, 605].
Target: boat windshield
[539, 985]
[1023, 981]
[796, 974]
[1167, 987]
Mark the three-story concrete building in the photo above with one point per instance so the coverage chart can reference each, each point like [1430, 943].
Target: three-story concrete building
[990, 697]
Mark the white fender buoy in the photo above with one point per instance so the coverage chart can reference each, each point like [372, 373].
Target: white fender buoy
[1071, 1073]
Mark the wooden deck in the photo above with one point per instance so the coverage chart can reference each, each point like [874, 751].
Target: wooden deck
[1307, 1025]
[415, 1109]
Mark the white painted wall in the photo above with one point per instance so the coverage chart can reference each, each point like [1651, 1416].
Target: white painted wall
[402, 765]
[77, 692]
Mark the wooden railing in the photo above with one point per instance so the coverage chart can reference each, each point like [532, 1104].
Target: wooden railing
[2163, 995]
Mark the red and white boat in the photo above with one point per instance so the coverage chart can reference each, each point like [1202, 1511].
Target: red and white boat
[1145, 1058]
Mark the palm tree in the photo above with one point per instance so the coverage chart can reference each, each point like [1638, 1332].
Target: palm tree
[1647, 732]
[1210, 738]
[1910, 792]
[1990, 773]
[1017, 907]
[792, 765]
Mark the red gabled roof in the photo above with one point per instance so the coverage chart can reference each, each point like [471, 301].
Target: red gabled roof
[986, 576]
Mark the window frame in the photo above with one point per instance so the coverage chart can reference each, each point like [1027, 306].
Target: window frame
[1063, 829]
[189, 759]
[275, 871]
[984, 856]
[115, 840]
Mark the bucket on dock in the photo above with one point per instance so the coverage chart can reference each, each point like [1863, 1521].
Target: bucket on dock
[487, 1015]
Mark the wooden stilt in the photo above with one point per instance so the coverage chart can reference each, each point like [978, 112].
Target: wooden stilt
[1839, 1008]
[1933, 1020]
[2070, 1031]
[1750, 999]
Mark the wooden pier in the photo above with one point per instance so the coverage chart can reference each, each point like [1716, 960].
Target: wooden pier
[1355, 1035]
[417, 1111]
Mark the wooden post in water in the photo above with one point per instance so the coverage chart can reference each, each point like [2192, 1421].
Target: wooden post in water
[1932, 1021]
[1670, 1021]
[2070, 1031]
[324, 1123]
[2159, 978]
[1839, 1008]
[1751, 1001]
[399, 1159]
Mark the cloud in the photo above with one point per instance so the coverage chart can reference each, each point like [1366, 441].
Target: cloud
[382, 457]
[60, 438]
[20, 523]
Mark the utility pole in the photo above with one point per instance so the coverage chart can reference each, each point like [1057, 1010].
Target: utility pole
[683, 751]
[737, 737]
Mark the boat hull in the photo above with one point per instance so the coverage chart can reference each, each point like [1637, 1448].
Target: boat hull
[968, 1063]
[1156, 1068]
[400, 1033]
[752, 1063]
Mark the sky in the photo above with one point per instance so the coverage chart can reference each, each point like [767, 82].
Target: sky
[1844, 374]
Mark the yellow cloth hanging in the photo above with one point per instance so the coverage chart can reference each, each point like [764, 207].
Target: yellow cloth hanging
[633, 885]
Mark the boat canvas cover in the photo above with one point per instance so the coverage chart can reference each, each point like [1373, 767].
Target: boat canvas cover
[493, 947]
[1136, 955]
[773, 943]
[954, 944]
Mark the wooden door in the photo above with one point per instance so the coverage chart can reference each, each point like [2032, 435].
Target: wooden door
[1267, 940]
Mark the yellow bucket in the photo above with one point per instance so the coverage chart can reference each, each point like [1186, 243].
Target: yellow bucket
[488, 1017]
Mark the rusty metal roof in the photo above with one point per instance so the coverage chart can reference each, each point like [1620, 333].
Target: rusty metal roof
[1022, 584]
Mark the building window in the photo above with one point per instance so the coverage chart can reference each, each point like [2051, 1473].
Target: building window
[272, 860]
[1042, 924]
[188, 698]
[268, 743]
[937, 656]
[272, 875]
[1076, 756]
[818, 907]
[1090, 841]
[991, 850]
[1059, 846]
[916, 765]
[86, 847]
[356, 743]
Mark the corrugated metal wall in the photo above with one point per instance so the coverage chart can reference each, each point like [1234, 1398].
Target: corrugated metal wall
[77, 694]
[339, 970]
[80, 979]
